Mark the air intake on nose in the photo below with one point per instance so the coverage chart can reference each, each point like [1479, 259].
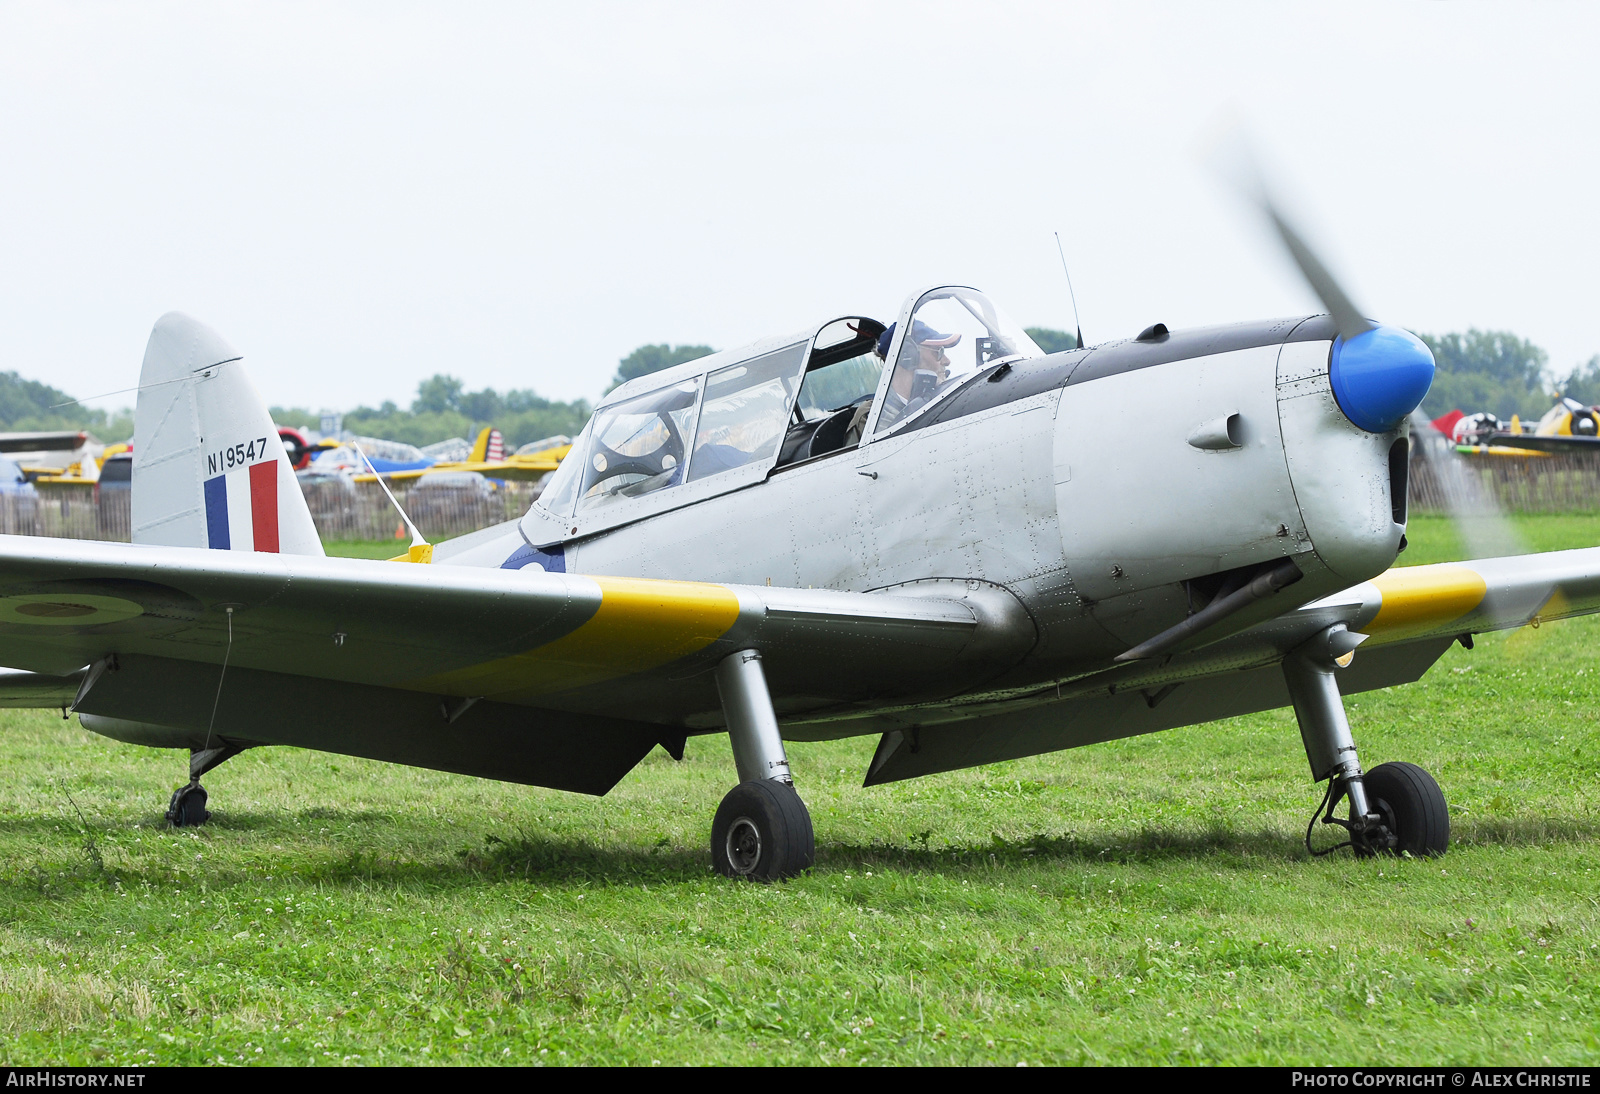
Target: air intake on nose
[1399, 476]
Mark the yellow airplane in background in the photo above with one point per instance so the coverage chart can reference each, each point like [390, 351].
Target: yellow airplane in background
[520, 464]
[56, 455]
[486, 458]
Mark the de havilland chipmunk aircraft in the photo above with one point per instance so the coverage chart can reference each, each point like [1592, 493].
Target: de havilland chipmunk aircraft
[927, 531]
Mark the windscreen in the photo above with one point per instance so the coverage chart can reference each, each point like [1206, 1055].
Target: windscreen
[638, 446]
[955, 334]
[561, 488]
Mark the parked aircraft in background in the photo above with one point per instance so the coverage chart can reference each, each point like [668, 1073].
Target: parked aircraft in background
[398, 462]
[296, 448]
[49, 454]
[1569, 426]
[84, 461]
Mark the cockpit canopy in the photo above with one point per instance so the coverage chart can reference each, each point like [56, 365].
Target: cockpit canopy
[729, 419]
[954, 333]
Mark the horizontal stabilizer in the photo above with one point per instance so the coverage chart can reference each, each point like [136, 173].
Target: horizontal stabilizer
[32, 690]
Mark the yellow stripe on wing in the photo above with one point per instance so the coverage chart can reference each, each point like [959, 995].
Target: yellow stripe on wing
[641, 624]
[1418, 599]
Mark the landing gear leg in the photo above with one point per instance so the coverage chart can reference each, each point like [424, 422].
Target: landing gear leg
[188, 806]
[762, 830]
[1396, 807]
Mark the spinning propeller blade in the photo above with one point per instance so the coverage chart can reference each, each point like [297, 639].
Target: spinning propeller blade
[1230, 155]
[1481, 525]
[1346, 318]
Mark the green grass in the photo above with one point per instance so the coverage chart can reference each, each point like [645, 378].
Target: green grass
[366, 548]
[1146, 901]
[1436, 539]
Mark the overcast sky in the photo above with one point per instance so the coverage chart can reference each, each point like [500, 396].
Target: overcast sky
[358, 196]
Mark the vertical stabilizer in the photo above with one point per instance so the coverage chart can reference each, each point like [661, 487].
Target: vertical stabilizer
[209, 469]
[489, 447]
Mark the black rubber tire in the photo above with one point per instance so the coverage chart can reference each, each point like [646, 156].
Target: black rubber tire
[1412, 806]
[188, 807]
[762, 832]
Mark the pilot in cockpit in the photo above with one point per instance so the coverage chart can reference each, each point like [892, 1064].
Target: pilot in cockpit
[917, 376]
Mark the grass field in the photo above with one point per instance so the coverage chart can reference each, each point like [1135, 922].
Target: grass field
[1147, 901]
[368, 548]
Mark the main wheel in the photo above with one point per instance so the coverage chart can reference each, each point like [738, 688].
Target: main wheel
[1412, 807]
[762, 832]
[188, 807]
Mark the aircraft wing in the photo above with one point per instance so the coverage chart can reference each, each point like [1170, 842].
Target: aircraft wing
[392, 476]
[1541, 442]
[459, 668]
[1413, 603]
[52, 441]
[1404, 606]
[1413, 615]
[565, 680]
[516, 468]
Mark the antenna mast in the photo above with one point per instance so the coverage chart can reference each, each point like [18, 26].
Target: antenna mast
[1070, 291]
[421, 550]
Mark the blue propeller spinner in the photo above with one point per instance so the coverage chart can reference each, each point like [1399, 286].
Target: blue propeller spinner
[1380, 377]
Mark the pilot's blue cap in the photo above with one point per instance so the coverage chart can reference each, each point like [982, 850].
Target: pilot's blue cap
[924, 335]
[921, 334]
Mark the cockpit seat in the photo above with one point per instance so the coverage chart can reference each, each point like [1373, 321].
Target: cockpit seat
[797, 440]
[829, 436]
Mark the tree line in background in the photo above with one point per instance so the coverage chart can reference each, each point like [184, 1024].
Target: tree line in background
[29, 406]
[1480, 370]
[444, 408]
[1495, 371]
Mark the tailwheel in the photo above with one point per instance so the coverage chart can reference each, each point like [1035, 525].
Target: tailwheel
[188, 807]
[1412, 808]
[762, 832]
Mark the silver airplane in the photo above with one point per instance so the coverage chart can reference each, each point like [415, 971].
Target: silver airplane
[928, 531]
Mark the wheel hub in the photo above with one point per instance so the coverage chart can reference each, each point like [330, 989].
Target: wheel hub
[188, 807]
[1373, 838]
[744, 845]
